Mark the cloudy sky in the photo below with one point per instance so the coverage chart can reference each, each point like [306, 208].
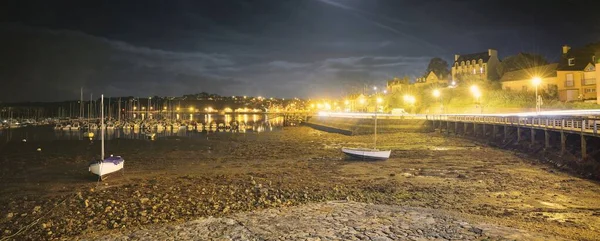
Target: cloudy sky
[283, 48]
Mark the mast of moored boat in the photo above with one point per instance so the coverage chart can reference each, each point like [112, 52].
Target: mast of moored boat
[375, 141]
[102, 126]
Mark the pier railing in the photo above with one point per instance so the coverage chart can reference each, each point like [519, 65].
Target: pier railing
[588, 125]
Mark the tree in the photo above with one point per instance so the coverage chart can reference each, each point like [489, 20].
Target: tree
[521, 61]
[438, 66]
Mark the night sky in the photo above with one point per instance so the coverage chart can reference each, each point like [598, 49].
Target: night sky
[282, 48]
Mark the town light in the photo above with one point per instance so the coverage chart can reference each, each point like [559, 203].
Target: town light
[177, 108]
[384, 92]
[474, 89]
[536, 81]
[346, 102]
[374, 87]
[134, 108]
[191, 108]
[409, 99]
[165, 108]
[361, 100]
[379, 100]
[436, 93]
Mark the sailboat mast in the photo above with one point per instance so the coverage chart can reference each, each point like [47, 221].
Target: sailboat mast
[102, 126]
[81, 111]
[375, 141]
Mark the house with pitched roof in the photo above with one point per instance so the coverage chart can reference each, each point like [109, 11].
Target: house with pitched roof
[521, 80]
[432, 79]
[475, 67]
[576, 74]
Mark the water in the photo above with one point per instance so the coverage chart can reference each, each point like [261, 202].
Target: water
[255, 123]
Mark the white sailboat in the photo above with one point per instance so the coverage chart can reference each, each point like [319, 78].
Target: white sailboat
[367, 153]
[111, 164]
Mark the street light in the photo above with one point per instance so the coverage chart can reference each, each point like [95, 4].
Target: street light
[536, 82]
[437, 94]
[477, 95]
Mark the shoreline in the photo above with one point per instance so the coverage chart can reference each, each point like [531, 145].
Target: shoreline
[176, 180]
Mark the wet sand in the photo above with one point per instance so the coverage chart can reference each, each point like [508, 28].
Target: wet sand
[50, 194]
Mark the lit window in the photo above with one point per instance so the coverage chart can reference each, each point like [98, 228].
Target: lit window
[571, 61]
[569, 81]
[481, 70]
[590, 90]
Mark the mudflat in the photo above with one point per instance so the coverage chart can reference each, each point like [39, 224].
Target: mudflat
[173, 181]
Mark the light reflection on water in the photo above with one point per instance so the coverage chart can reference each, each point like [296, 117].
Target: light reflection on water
[248, 123]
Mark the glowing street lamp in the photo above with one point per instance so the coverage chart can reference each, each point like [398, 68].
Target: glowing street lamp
[538, 99]
[379, 100]
[437, 93]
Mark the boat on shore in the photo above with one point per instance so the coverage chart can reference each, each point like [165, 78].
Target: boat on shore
[366, 153]
[109, 165]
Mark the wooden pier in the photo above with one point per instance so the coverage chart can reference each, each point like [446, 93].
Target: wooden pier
[550, 131]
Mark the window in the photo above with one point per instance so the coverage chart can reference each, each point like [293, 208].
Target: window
[590, 90]
[474, 72]
[473, 62]
[569, 80]
[571, 61]
[481, 70]
[462, 63]
[480, 61]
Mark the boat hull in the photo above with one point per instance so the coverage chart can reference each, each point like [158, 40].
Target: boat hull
[104, 168]
[370, 154]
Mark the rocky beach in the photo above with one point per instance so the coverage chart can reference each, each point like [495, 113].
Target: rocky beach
[291, 184]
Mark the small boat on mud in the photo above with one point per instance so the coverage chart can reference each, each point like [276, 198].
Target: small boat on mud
[365, 153]
[109, 165]
[368, 153]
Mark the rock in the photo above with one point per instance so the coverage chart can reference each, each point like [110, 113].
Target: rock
[406, 174]
[87, 203]
[477, 231]
[461, 176]
[9, 215]
[37, 209]
[144, 200]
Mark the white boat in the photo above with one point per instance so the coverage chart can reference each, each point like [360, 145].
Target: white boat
[368, 153]
[365, 153]
[109, 165]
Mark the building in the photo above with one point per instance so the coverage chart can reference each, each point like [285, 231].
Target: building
[521, 80]
[432, 79]
[598, 74]
[576, 75]
[475, 67]
[397, 85]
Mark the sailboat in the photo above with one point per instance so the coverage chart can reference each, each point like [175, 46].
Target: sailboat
[111, 164]
[368, 153]
[89, 133]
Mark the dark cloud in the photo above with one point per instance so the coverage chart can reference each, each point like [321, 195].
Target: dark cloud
[285, 48]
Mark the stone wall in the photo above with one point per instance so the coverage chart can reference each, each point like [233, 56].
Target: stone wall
[358, 126]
